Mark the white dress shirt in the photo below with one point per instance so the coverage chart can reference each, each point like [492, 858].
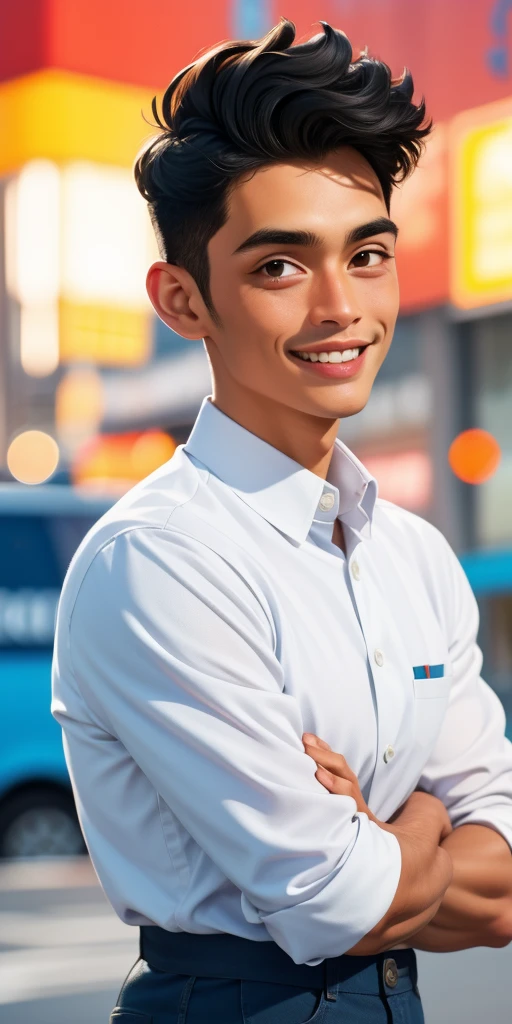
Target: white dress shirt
[206, 622]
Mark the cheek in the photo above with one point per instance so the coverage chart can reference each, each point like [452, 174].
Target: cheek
[274, 311]
[382, 302]
[265, 313]
[389, 295]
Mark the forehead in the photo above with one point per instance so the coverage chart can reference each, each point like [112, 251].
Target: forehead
[342, 190]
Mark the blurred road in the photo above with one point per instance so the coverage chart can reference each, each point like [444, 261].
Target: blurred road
[63, 952]
[64, 955]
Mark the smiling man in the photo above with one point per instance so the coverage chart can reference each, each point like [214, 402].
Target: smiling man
[252, 613]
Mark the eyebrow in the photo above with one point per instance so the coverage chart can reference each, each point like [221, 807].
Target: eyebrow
[308, 239]
[380, 226]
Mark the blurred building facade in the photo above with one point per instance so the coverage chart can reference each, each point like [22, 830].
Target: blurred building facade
[85, 360]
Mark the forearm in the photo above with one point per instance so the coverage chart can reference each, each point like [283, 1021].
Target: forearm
[455, 888]
[476, 909]
[390, 933]
[425, 875]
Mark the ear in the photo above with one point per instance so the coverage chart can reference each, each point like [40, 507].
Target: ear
[177, 300]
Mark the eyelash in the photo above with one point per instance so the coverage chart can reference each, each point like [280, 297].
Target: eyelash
[378, 252]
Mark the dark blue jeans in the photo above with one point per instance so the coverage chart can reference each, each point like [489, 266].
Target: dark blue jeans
[355, 991]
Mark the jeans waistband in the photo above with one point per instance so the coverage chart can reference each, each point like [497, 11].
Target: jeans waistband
[225, 955]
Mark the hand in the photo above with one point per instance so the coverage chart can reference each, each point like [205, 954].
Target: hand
[334, 773]
[424, 808]
[426, 869]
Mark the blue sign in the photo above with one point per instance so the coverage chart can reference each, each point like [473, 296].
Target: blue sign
[498, 56]
[250, 19]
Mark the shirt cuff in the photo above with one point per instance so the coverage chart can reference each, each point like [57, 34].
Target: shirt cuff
[498, 818]
[347, 907]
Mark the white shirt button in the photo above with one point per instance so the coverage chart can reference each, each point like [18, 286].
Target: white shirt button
[326, 501]
[355, 570]
[379, 657]
[388, 754]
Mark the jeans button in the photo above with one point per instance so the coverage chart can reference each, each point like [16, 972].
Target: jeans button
[390, 971]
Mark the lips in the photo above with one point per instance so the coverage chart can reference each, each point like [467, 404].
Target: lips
[338, 370]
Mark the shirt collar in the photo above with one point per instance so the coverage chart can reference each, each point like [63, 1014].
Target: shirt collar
[279, 489]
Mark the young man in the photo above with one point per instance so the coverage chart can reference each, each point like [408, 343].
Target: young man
[254, 593]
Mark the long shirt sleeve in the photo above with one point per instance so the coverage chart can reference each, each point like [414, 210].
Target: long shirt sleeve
[205, 623]
[172, 664]
[470, 768]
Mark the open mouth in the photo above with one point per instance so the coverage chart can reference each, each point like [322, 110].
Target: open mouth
[332, 364]
[347, 356]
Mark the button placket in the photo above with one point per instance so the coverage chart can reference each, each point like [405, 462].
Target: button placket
[384, 712]
[385, 718]
[389, 752]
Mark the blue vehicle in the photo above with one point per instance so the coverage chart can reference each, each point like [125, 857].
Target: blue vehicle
[40, 529]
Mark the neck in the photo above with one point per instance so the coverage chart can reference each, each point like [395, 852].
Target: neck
[308, 440]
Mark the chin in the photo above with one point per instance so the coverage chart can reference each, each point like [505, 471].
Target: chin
[350, 407]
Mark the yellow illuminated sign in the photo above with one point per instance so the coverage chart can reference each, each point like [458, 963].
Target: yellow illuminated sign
[85, 300]
[481, 205]
[63, 116]
[104, 335]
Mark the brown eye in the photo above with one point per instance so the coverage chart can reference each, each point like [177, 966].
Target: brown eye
[362, 259]
[370, 258]
[275, 268]
[278, 268]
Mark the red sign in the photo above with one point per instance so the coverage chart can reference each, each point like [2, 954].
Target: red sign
[120, 40]
[459, 51]
[420, 208]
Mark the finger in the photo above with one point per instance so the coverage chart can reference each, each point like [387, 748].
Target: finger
[313, 740]
[342, 787]
[334, 763]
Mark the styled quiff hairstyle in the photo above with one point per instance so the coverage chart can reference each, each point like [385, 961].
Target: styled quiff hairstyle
[243, 105]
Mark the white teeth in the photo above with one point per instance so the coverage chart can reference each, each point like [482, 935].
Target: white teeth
[331, 357]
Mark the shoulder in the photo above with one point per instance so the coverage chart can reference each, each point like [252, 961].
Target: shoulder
[425, 548]
[401, 525]
[147, 507]
[168, 534]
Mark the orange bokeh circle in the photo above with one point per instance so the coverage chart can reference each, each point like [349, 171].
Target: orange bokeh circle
[474, 455]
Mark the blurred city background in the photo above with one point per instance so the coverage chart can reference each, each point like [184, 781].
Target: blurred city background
[95, 392]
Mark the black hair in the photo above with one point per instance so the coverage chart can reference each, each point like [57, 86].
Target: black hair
[246, 104]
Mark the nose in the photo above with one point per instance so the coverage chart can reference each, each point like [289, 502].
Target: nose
[334, 300]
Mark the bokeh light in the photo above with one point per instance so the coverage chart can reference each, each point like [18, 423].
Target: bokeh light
[150, 451]
[115, 462]
[33, 457]
[474, 455]
[78, 405]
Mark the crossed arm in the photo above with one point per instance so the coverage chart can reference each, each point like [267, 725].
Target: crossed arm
[206, 689]
[455, 890]
[476, 909]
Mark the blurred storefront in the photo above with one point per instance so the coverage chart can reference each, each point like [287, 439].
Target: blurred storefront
[86, 362]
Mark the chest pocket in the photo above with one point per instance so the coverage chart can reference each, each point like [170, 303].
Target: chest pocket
[432, 689]
[431, 700]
